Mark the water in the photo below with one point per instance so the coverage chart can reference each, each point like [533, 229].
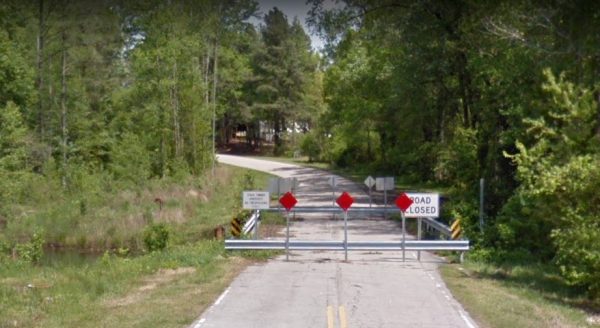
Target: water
[60, 257]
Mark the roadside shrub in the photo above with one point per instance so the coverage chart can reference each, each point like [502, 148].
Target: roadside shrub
[4, 249]
[156, 237]
[310, 147]
[578, 254]
[248, 182]
[555, 211]
[32, 251]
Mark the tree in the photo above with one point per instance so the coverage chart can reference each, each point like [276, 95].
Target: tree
[284, 69]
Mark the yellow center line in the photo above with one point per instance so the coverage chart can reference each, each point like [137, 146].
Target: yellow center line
[343, 322]
[330, 316]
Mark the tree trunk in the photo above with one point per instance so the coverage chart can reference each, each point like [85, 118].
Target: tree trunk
[464, 80]
[214, 99]
[162, 161]
[63, 108]
[40, 75]
[598, 113]
[206, 88]
[175, 112]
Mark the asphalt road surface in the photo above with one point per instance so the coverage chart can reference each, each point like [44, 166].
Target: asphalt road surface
[319, 288]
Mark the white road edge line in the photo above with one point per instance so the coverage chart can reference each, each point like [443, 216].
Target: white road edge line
[466, 319]
[216, 303]
[199, 323]
[220, 299]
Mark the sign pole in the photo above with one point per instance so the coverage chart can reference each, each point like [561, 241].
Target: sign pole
[288, 201]
[384, 202]
[346, 236]
[344, 202]
[419, 224]
[278, 192]
[403, 236]
[403, 202]
[333, 193]
[369, 182]
[257, 224]
[287, 236]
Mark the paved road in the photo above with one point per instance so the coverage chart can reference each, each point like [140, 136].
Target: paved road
[319, 289]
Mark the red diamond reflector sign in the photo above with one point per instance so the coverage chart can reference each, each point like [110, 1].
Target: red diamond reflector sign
[345, 201]
[403, 202]
[288, 200]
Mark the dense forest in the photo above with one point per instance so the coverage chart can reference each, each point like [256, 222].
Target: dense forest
[449, 92]
[111, 94]
[104, 105]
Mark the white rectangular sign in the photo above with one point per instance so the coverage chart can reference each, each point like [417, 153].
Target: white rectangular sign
[386, 183]
[256, 200]
[424, 205]
[332, 181]
[282, 185]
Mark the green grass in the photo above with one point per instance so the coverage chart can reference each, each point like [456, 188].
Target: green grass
[517, 296]
[101, 217]
[165, 289]
[162, 289]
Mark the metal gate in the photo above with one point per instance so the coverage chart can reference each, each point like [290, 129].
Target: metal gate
[251, 228]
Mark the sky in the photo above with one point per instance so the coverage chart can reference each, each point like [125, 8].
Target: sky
[291, 8]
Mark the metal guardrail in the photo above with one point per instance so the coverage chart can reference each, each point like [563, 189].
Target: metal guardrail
[252, 223]
[307, 245]
[439, 226]
[442, 228]
[411, 245]
[330, 209]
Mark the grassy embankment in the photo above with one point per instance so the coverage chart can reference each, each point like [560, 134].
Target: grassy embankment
[532, 295]
[161, 289]
[508, 295]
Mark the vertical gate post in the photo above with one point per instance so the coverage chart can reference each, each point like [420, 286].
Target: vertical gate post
[333, 184]
[419, 223]
[403, 236]
[384, 202]
[287, 236]
[257, 224]
[346, 235]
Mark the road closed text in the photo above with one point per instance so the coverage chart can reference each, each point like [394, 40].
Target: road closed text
[423, 206]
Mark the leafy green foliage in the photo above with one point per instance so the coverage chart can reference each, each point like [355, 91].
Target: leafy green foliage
[16, 83]
[439, 92]
[130, 160]
[156, 237]
[310, 146]
[33, 250]
[560, 180]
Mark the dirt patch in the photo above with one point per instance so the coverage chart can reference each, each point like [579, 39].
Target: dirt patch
[175, 215]
[161, 277]
[593, 320]
[270, 230]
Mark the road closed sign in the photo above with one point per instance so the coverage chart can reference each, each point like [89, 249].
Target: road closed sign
[256, 200]
[424, 205]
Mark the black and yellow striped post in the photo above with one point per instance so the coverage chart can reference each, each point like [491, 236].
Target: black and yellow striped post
[455, 229]
[236, 227]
